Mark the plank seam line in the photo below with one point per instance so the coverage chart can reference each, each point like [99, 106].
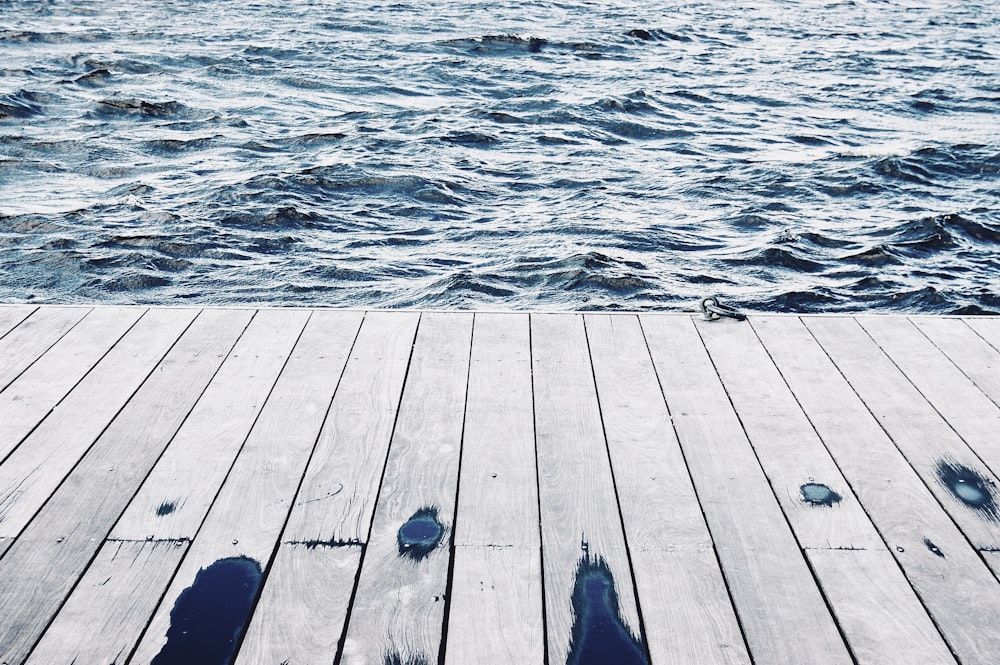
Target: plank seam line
[784, 515]
[955, 364]
[538, 492]
[851, 485]
[22, 320]
[905, 457]
[266, 569]
[979, 334]
[697, 495]
[73, 387]
[385, 464]
[97, 550]
[614, 486]
[449, 584]
[47, 349]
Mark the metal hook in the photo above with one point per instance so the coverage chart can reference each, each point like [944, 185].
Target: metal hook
[712, 309]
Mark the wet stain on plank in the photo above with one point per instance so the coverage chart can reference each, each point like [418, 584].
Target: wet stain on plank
[600, 636]
[420, 535]
[165, 508]
[818, 494]
[970, 488]
[211, 614]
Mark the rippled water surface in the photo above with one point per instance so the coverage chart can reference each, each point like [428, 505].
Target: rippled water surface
[790, 155]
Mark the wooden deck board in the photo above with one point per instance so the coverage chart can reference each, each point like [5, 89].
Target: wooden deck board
[641, 469]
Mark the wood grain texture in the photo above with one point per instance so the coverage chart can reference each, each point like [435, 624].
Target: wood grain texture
[249, 513]
[957, 589]
[41, 567]
[34, 336]
[31, 473]
[12, 315]
[301, 613]
[296, 620]
[920, 433]
[398, 609]
[338, 493]
[108, 610]
[686, 606]
[783, 614]
[579, 508]
[877, 610]
[988, 328]
[968, 410]
[788, 448]
[977, 359]
[29, 399]
[496, 602]
[189, 474]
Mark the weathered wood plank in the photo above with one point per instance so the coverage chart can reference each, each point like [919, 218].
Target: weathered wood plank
[33, 395]
[34, 470]
[793, 457]
[302, 610]
[23, 345]
[987, 328]
[12, 315]
[245, 521]
[176, 496]
[48, 558]
[784, 617]
[495, 612]
[583, 544]
[977, 359]
[967, 409]
[946, 573]
[930, 445]
[398, 610]
[103, 618]
[876, 608]
[677, 575]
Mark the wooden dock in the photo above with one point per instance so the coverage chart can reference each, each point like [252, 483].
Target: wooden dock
[403, 488]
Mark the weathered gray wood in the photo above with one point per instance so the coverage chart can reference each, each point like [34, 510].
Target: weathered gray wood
[788, 448]
[41, 567]
[681, 588]
[952, 394]
[496, 600]
[784, 616]
[956, 588]
[189, 474]
[301, 613]
[987, 328]
[877, 610]
[12, 315]
[251, 509]
[108, 610]
[34, 470]
[993, 561]
[398, 610]
[926, 440]
[30, 398]
[977, 359]
[579, 508]
[34, 336]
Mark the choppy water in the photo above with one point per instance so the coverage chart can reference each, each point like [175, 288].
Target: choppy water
[789, 155]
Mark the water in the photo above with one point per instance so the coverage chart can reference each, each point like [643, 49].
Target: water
[787, 156]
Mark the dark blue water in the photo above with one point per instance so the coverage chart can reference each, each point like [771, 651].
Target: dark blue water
[786, 155]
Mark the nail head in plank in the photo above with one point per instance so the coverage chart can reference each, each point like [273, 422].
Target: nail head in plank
[783, 614]
[41, 567]
[188, 475]
[247, 517]
[23, 345]
[581, 523]
[34, 470]
[930, 445]
[957, 588]
[679, 583]
[882, 618]
[817, 501]
[35, 393]
[338, 493]
[398, 609]
[103, 618]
